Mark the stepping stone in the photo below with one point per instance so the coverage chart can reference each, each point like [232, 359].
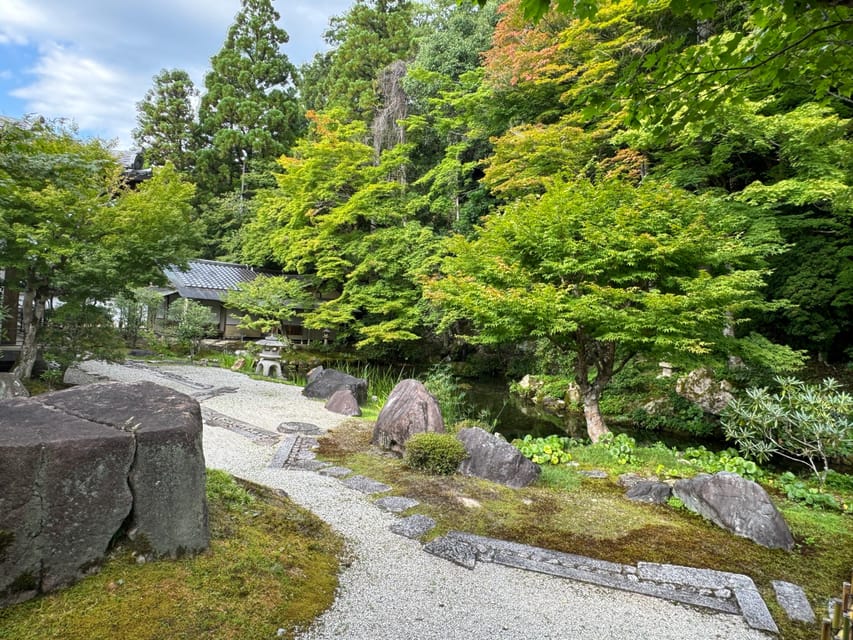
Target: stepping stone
[365, 485]
[303, 428]
[335, 472]
[310, 465]
[793, 600]
[453, 549]
[396, 504]
[594, 474]
[755, 611]
[413, 527]
[282, 454]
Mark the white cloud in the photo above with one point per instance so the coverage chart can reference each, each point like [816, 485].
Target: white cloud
[96, 96]
[97, 58]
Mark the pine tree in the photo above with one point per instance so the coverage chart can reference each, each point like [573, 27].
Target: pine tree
[165, 117]
[249, 115]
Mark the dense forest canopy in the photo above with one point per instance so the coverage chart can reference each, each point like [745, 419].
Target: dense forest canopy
[374, 169]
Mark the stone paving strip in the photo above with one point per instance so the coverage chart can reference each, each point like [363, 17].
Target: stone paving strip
[260, 436]
[716, 590]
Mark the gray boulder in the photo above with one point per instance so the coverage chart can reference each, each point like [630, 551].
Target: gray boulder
[410, 409]
[80, 466]
[65, 494]
[649, 491]
[343, 401]
[493, 458]
[700, 387]
[737, 505]
[11, 387]
[322, 383]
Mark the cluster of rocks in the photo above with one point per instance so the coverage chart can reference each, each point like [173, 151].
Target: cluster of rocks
[412, 409]
[344, 394]
[81, 466]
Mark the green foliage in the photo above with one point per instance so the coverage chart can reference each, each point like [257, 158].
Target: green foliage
[797, 490]
[808, 423]
[551, 450]
[367, 38]
[189, 322]
[80, 331]
[726, 460]
[442, 384]
[621, 447]
[269, 301]
[676, 415]
[604, 270]
[435, 453]
[248, 114]
[166, 129]
[136, 312]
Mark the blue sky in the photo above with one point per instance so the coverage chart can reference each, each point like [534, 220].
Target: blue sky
[91, 61]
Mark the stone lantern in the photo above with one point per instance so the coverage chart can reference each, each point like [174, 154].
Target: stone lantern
[270, 356]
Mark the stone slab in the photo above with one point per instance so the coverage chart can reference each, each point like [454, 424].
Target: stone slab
[282, 454]
[793, 600]
[396, 504]
[453, 549]
[413, 527]
[305, 428]
[310, 465]
[702, 578]
[755, 611]
[335, 472]
[366, 485]
[594, 474]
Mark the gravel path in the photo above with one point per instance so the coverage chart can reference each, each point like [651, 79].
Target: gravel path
[395, 591]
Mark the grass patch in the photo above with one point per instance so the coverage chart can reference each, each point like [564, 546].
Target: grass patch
[271, 565]
[568, 512]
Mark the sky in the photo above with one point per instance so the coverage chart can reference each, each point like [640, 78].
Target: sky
[91, 61]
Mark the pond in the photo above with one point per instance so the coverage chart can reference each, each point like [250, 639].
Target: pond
[514, 418]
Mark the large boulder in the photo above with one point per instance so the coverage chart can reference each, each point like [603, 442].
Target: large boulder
[493, 458]
[322, 383]
[11, 387]
[737, 505]
[700, 387]
[65, 494]
[167, 478]
[80, 466]
[410, 409]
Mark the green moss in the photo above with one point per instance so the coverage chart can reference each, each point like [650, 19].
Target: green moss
[270, 565]
[567, 512]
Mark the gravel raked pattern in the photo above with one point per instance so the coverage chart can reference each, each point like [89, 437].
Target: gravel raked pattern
[395, 591]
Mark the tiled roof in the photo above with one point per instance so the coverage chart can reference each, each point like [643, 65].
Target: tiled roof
[209, 279]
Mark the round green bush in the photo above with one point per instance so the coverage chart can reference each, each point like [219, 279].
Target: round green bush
[435, 453]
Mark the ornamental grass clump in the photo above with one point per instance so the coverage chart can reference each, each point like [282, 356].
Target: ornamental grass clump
[435, 453]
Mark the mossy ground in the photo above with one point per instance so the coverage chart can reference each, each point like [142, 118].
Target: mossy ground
[271, 565]
[569, 512]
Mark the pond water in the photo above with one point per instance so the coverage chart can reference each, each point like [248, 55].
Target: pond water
[515, 419]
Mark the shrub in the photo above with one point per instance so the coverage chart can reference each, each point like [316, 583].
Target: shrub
[676, 415]
[435, 453]
[806, 423]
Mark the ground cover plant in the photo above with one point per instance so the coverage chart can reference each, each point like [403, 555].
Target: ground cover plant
[271, 565]
[569, 512]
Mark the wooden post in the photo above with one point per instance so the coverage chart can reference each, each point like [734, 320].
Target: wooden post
[826, 630]
[836, 615]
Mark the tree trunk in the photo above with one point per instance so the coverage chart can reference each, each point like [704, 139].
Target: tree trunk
[9, 330]
[595, 426]
[33, 314]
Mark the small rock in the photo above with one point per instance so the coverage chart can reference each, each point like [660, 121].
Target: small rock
[239, 363]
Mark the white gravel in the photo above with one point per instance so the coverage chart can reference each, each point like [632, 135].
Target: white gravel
[395, 591]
